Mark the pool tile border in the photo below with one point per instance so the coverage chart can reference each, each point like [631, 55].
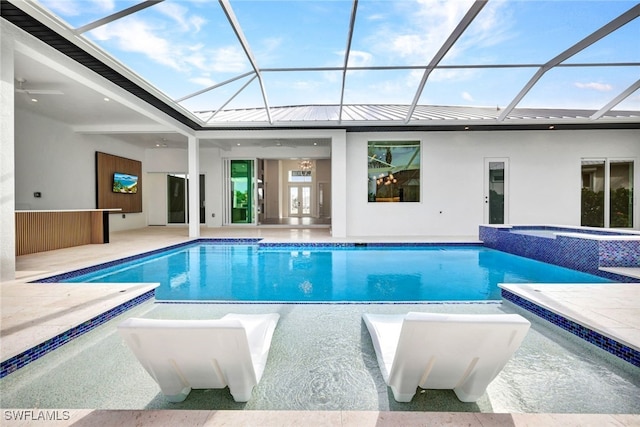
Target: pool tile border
[249, 241]
[570, 251]
[328, 302]
[608, 344]
[71, 274]
[21, 360]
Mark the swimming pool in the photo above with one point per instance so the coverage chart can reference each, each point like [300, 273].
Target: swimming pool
[332, 273]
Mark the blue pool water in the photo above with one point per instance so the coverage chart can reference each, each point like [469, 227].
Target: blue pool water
[250, 272]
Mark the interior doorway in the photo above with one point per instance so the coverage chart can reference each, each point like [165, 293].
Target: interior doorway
[178, 199]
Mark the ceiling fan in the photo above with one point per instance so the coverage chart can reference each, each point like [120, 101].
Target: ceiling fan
[22, 89]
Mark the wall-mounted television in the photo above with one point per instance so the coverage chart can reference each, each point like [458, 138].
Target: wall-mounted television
[125, 183]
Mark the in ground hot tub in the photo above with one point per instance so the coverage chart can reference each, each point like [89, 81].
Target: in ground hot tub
[580, 248]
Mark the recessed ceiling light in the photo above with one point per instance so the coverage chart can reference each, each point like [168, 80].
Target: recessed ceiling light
[106, 99]
[238, 144]
[466, 128]
[34, 100]
[552, 127]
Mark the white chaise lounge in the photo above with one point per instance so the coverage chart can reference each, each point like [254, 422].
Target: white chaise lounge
[181, 355]
[463, 352]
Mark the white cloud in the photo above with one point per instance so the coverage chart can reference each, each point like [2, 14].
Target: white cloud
[180, 15]
[135, 35]
[467, 96]
[203, 81]
[600, 87]
[62, 7]
[375, 17]
[104, 5]
[228, 59]
[358, 58]
[418, 29]
[67, 8]
[163, 46]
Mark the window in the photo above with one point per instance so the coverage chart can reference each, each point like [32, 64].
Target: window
[300, 176]
[394, 171]
[607, 193]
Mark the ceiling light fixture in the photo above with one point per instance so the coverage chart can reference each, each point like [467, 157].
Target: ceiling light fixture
[34, 100]
[106, 99]
[305, 165]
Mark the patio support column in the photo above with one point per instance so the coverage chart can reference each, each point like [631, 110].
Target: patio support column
[7, 159]
[194, 187]
[338, 189]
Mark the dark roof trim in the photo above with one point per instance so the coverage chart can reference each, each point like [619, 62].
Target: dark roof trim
[442, 128]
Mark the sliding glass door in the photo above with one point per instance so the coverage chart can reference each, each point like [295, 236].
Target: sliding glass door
[178, 199]
[239, 187]
[607, 193]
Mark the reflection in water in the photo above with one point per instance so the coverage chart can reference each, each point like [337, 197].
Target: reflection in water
[244, 272]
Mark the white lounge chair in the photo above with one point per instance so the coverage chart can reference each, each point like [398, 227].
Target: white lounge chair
[200, 354]
[463, 352]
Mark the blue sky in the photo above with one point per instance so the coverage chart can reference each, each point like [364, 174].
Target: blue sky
[183, 46]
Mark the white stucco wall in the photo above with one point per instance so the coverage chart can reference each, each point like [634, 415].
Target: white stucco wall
[60, 164]
[544, 179]
[544, 176]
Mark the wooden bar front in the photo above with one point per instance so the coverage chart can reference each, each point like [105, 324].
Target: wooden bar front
[39, 231]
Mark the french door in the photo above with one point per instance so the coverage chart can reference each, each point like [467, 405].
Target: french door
[299, 200]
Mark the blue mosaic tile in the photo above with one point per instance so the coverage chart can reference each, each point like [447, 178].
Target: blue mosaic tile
[489, 302]
[338, 245]
[586, 255]
[606, 343]
[75, 273]
[13, 364]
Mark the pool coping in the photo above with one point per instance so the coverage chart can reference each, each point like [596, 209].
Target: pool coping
[13, 363]
[622, 349]
[551, 310]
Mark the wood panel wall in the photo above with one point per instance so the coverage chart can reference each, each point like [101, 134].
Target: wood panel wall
[39, 231]
[106, 166]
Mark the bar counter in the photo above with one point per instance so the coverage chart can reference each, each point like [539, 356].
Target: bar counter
[46, 230]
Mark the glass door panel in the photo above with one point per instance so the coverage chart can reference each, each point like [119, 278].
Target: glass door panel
[306, 200]
[202, 205]
[592, 198]
[495, 191]
[621, 194]
[176, 199]
[242, 191]
[294, 201]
